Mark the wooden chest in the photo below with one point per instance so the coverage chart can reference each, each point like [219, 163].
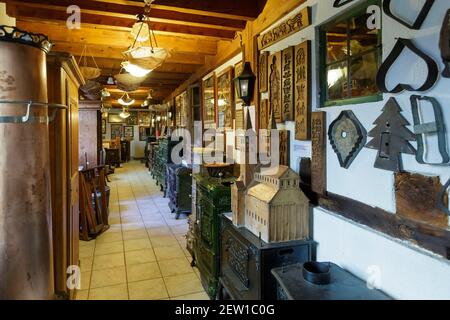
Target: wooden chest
[213, 198]
[246, 262]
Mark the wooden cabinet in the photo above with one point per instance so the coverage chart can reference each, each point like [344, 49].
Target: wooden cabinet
[64, 79]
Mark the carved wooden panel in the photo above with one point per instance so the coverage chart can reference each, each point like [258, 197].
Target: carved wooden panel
[417, 198]
[275, 85]
[264, 114]
[284, 147]
[318, 161]
[295, 23]
[302, 81]
[262, 71]
[287, 84]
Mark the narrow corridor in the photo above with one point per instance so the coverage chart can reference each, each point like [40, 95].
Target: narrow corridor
[143, 255]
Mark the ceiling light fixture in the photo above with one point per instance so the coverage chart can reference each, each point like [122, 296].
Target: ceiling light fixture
[125, 113]
[135, 70]
[125, 100]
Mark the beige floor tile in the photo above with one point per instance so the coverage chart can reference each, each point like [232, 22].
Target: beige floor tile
[183, 284]
[117, 292]
[108, 248]
[108, 261]
[159, 231]
[193, 296]
[135, 234]
[180, 229]
[148, 290]
[173, 267]
[114, 220]
[137, 244]
[144, 271]
[85, 280]
[86, 264]
[166, 253]
[108, 277]
[86, 251]
[86, 243]
[133, 226]
[108, 237]
[139, 256]
[82, 295]
[163, 241]
[132, 219]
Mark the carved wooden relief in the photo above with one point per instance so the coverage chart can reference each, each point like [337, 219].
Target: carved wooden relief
[319, 156]
[295, 23]
[275, 85]
[302, 105]
[225, 97]
[262, 72]
[287, 84]
[264, 114]
[284, 147]
[417, 198]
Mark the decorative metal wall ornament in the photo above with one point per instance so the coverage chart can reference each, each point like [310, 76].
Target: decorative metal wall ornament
[419, 20]
[294, 24]
[444, 44]
[347, 137]
[422, 129]
[390, 137]
[442, 197]
[340, 3]
[433, 70]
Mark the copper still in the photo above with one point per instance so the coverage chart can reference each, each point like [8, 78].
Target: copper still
[26, 262]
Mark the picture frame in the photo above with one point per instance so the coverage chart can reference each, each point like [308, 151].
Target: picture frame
[128, 132]
[238, 67]
[144, 119]
[115, 118]
[142, 133]
[132, 120]
[103, 126]
[116, 131]
[209, 101]
[225, 99]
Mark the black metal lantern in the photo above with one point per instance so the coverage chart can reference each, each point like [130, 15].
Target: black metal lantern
[245, 84]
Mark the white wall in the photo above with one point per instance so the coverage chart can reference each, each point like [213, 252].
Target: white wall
[407, 272]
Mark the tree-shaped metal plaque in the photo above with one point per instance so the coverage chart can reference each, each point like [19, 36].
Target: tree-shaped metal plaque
[347, 137]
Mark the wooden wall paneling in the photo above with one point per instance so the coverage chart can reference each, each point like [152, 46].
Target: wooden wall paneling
[287, 83]
[318, 159]
[302, 95]
[275, 93]
[417, 198]
[263, 71]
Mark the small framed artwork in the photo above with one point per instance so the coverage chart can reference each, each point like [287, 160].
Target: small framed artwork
[116, 131]
[209, 102]
[225, 99]
[144, 118]
[238, 67]
[143, 133]
[128, 132]
[132, 119]
[103, 126]
[115, 118]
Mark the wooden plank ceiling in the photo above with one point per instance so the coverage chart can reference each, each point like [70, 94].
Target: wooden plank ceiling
[190, 29]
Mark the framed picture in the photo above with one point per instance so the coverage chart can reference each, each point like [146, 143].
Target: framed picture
[132, 119]
[116, 131]
[128, 132]
[209, 102]
[115, 118]
[103, 126]
[225, 99]
[238, 67]
[144, 118]
[181, 110]
[143, 133]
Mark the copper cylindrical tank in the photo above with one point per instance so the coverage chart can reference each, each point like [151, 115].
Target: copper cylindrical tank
[26, 262]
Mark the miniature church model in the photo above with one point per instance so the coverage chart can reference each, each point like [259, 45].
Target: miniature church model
[275, 208]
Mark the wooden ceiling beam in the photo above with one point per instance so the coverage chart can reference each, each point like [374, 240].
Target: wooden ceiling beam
[53, 13]
[58, 32]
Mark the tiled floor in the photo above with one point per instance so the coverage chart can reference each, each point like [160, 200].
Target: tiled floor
[143, 255]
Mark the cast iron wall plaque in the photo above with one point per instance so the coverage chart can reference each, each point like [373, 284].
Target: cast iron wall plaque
[419, 20]
[434, 128]
[390, 137]
[432, 75]
[347, 137]
[444, 44]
